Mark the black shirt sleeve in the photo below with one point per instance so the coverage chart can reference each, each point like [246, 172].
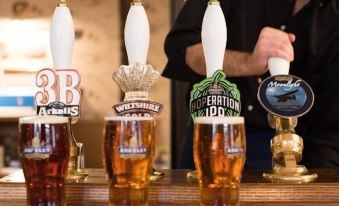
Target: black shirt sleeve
[186, 31]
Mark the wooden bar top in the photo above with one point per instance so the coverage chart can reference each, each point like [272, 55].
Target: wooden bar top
[174, 189]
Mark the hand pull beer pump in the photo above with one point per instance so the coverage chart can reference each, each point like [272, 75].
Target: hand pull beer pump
[214, 39]
[137, 78]
[61, 41]
[62, 36]
[137, 34]
[285, 97]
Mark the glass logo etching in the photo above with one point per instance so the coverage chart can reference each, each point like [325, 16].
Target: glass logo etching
[231, 135]
[39, 149]
[130, 140]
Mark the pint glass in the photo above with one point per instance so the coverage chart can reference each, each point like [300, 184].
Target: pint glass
[128, 155]
[44, 154]
[219, 156]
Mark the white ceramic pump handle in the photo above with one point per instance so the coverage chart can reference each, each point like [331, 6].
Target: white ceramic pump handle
[137, 34]
[62, 37]
[214, 37]
[278, 66]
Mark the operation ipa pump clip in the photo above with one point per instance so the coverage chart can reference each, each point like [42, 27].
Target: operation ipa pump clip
[215, 96]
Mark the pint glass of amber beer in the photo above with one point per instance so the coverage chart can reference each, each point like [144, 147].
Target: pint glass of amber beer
[219, 156]
[44, 153]
[128, 154]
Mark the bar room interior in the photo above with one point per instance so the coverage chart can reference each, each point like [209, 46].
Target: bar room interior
[98, 51]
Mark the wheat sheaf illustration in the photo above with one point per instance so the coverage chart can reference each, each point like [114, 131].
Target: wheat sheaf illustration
[135, 77]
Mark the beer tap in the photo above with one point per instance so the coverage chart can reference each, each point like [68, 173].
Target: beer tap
[137, 78]
[286, 145]
[61, 41]
[63, 3]
[137, 33]
[62, 36]
[214, 37]
[214, 40]
[216, 85]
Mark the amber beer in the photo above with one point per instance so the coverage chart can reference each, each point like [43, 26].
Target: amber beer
[128, 154]
[219, 156]
[44, 154]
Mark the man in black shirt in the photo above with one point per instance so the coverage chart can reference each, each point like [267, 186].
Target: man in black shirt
[305, 32]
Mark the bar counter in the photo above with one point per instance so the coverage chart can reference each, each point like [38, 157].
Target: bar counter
[174, 189]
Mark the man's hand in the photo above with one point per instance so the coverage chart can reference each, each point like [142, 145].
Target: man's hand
[271, 43]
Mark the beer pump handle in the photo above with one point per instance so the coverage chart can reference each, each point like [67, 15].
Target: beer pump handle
[62, 36]
[214, 37]
[137, 34]
[278, 66]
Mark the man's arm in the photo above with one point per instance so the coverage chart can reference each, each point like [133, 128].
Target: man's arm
[185, 32]
[271, 43]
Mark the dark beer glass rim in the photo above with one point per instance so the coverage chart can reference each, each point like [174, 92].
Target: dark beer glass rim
[219, 120]
[124, 118]
[49, 119]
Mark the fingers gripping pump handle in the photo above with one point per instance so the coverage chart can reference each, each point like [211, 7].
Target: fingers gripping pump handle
[214, 37]
[62, 36]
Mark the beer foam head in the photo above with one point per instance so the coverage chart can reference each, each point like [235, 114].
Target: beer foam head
[123, 118]
[43, 120]
[219, 120]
